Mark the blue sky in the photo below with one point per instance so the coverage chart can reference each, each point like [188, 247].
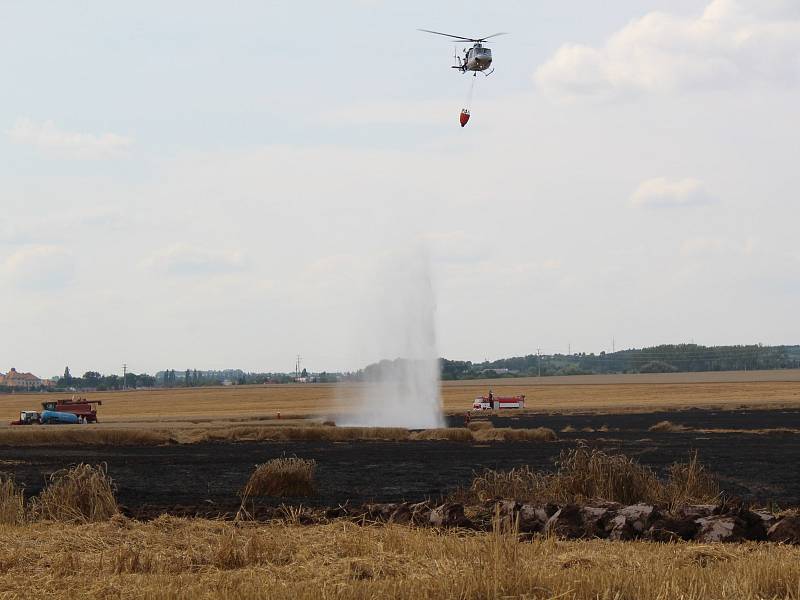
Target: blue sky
[196, 185]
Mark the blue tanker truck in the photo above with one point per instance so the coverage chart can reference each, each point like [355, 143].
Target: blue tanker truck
[52, 416]
[47, 417]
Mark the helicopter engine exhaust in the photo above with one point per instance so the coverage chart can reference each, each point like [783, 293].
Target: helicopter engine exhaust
[464, 117]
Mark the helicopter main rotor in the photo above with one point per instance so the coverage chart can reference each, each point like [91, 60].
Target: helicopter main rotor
[462, 38]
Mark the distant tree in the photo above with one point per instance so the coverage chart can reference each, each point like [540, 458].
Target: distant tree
[304, 373]
[657, 366]
[186, 377]
[110, 382]
[91, 378]
[145, 380]
[67, 376]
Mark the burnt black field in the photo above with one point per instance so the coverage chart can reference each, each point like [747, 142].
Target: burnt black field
[204, 479]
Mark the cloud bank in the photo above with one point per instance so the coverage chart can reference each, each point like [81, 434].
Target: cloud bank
[48, 138]
[733, 43]
[662, 192]
[186, 260]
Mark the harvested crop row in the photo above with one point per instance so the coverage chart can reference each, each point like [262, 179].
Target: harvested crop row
[79, 435]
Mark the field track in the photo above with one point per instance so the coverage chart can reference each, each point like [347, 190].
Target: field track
[612, 393]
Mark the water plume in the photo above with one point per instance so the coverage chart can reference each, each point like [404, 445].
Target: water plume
[398, 328]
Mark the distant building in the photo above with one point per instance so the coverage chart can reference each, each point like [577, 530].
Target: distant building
[23, 381]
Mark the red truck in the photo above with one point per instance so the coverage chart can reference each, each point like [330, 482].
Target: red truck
[492, 402]
[81, 407]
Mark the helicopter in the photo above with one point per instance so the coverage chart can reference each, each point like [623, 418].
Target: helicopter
[477, 59]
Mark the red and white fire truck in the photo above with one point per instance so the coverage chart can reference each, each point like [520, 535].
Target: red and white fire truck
[492, 402]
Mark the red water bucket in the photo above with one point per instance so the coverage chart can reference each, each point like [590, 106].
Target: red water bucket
[464, 118]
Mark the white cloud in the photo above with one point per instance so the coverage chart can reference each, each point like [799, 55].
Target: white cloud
[699, 247]
[662, 192]
[184, 259]
[47, 137]
[733, 43]
[38, 267]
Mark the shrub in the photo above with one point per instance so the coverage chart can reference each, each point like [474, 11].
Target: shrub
[584, 474]
[690, 482]
[84, 493]
[520, 483]
[286, 476]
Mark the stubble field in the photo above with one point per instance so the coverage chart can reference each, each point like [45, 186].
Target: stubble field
[174, 558]
[744, 426]
[612, 394]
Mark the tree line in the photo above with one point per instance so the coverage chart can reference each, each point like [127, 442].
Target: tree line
[666, 358]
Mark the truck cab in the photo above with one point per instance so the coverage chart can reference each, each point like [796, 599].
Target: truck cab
[27, 417]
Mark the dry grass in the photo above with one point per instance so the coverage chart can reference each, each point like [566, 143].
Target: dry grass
[667, 427]
[281, 477]
[12, 501]
[479, 425]
[82, 494]
[585, 474]
[172, 559]
[769, 431]
[537, 434]
[519, 483]
[65, 435]
[689, 482]
[453, 434]
[457, 434]
[260, 433]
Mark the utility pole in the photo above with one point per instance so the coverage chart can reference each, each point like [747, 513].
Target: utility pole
[539, 362]
[297, 368]
[569, 349]
[124, 376]
[613, 345]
